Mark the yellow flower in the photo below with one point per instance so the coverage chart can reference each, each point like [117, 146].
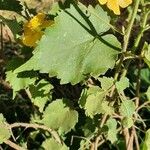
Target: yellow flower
[33, 29]
[115, 5]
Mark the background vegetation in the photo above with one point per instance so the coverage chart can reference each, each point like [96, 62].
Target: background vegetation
[74, 75]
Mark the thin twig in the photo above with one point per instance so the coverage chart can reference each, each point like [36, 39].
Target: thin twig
[142, 106]
[37, 126]
[96, 145]
[130, 142]
[80, 137]
[13, 145]
[126, 135]
[101, 142]
[136, 139]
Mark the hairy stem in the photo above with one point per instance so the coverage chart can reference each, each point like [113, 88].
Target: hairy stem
[127, 38]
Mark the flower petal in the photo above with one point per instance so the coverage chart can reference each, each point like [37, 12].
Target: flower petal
[29, 39]
[114, 6]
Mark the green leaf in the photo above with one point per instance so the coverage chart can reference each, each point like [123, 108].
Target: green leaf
[127, 108]
[21, 80]
[106, 83]
[89, 127]
[122, 84]
[94, 102]
[112, 130]
[127, 122]
[11, 5]
[69, 49]
[60, 117]
[51, 144]
[146, 53]
[40, 93]
[145, 76]
[146, 144]
[106, 108]
[99, 18]
[4, 131]
[148, 93]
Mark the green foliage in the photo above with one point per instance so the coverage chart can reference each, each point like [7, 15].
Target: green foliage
[52, 144]
[13, 5]
[19, 81]
[40, 94]
[127, 108]
[146, 144]
[122, 84]
[148, 93]
[59, 116]
[94, 102]
[4, 130]
[112, 130]
[146, 51]
[86, 83]
[106, 83]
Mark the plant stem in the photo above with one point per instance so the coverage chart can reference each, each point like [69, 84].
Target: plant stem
[126, 38]
[13, 145]
[35, 126]
[145, 18]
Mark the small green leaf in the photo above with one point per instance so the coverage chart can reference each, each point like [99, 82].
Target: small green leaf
[40, 93]
[127, 108]
[146, 144]
[106, 108]
[122, 84]
[60, 117]
[127, 122]
[94, 102]
[106, 83]
[146, 53]
[112, 130]
[4, 131]
[21, 80]
[148, 93]
[51, 144]
[145, 76]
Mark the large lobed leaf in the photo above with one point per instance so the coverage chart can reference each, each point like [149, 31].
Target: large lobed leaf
[71, 48]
